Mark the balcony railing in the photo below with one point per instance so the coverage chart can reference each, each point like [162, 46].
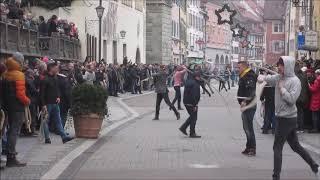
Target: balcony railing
[29, 43]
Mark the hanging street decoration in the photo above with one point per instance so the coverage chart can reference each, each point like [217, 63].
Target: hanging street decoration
[225, 15]
[250, 46]
[238, 30]
[244, 43]
[245, 33]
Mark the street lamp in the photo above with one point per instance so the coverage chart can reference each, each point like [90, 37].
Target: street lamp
[100, 10]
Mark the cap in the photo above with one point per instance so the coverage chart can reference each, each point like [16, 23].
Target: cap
[18, 57]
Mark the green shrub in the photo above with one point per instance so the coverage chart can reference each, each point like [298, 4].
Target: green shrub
[88, 99]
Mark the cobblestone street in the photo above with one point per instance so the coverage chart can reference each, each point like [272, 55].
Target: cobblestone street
[146, 149]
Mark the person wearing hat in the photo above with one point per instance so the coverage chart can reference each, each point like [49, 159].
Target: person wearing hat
[14, 102]
[191, 98]
[246, 93]
[160, 81]
[287, 90]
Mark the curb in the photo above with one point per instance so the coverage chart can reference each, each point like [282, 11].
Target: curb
[55, 171]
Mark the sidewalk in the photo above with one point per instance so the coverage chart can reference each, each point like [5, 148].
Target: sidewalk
[41, 157]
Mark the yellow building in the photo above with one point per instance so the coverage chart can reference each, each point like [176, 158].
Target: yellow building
[316, 23]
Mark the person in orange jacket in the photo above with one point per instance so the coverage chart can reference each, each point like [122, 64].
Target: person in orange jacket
[14, 102]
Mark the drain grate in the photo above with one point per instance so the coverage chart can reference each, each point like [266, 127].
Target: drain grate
[178, 150]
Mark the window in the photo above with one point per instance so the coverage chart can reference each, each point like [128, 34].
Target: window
[277, 27]
[127, 2]
[277, 46]
[172, 28]
[139, 5]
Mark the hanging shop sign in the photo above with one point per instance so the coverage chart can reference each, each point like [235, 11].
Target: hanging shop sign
[311, 38]
[301, 40]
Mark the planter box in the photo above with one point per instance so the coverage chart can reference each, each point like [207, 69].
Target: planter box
[87, 126]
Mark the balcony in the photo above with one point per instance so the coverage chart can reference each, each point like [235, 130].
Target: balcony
[28, 42]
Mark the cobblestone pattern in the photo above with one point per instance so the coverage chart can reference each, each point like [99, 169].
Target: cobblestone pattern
[41, 157]
[158, 148]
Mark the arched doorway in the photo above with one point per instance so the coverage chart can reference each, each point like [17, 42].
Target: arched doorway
[222, 63]
[216, 63]
[138, 58]
[227, 60]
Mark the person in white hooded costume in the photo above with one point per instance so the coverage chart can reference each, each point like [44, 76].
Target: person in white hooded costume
[287, 90]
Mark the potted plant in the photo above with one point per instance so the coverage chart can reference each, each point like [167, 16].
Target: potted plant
[89, 106]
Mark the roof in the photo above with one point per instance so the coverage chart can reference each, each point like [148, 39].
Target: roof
[274, 10]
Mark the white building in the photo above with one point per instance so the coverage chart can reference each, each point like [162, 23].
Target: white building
[195, 31]
[119, 16]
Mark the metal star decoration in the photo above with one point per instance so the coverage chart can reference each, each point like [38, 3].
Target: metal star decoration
[245, 33]
[244, 43]
[237, 31]
[222, 13]
[250, 46]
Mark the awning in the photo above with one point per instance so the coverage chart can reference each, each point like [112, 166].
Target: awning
[310, 48]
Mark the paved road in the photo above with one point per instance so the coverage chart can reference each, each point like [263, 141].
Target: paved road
[146, 149]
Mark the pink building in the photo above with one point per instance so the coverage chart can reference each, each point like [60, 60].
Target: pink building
[218, 39]
[275, 33]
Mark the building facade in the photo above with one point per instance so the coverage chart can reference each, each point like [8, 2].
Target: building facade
[218, 47]
[195, 31]
[316, 23]
[274, 30]
[159, 31]
[114, 46]
[249, 16]
[299, 19]
[179, 31]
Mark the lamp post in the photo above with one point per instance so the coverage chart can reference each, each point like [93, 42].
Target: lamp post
[100, 10]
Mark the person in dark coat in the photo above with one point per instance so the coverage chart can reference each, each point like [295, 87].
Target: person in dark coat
[246, 93]
[50, 96]
[191, 98]
[15, 12]
[227, 74]
[33, 95]
[53, 25]
[269, 115]
[43, 27]
[65, 86]
[134, 76]
[161, 88]
[304, 98]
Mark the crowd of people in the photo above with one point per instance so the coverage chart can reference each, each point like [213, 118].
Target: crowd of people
[308, 103]
[13, 13]
[30, 87]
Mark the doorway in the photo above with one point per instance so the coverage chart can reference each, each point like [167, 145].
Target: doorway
[114, 52]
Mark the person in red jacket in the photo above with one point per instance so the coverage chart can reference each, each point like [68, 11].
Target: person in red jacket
[315, 102]
[178, 80]
[14, 101]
